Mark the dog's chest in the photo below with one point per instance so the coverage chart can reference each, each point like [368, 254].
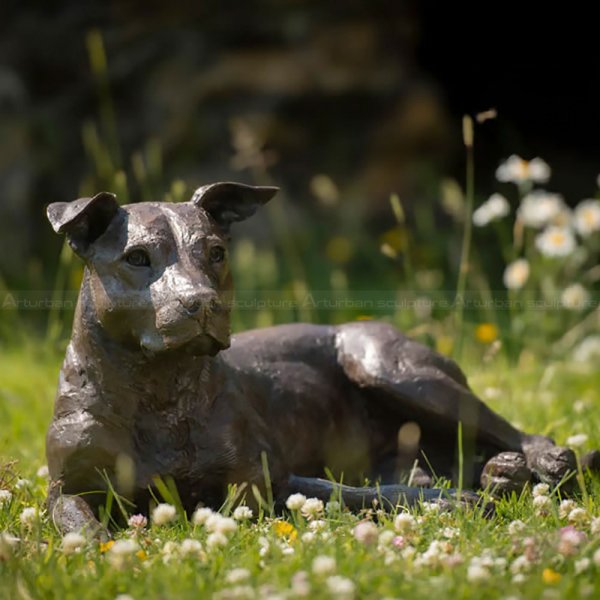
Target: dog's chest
[187, 441]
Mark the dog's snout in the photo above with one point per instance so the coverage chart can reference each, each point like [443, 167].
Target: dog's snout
[199, 302]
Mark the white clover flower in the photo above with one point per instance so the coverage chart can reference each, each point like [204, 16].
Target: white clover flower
[516, 527]
[238, 592]
[596, 557]
[565, 507]
[242, 513]
[73, 542]
[22, 484]
[169, 551]
[120, 551]
[317, 525]
[385, 538]
[124, 597]
[366, 533]
[579, 517]
[516, 274]
[542, 505]
[588, 350]
[219, 524]
[201, 515]
[5, 497]
[477, 573]
[323, 565]
[577, 441]
[518, 578]
[586, 218]
[29, 516]
[431, 508]
[300, 584]
[333, 507]
[308, 537]
[581, 565]
[124, 547]
[191, 547]
[575, 297]
[517, 170]
[521, 564]
[312, 508]
[237, 575]
[42, 472]
[539, 208]
[556, 242]
[595, 526]
[405, 523]
[541, 489]
[495, 207]
[340, 587]
[163, 514]
[216, 540]
[295, 501]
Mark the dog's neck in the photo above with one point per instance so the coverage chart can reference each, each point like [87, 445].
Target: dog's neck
[127, 380]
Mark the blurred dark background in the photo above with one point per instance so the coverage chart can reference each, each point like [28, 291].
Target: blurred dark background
[340, 103]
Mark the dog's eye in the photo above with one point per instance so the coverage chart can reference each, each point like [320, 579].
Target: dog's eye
[216, 254]
[138, 258]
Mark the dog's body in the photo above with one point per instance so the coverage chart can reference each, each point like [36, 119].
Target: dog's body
[148, 386]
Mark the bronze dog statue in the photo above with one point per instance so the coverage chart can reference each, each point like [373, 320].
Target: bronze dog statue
[152, 378]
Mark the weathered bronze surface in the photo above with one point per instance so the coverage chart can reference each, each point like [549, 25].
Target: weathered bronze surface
[153, 384]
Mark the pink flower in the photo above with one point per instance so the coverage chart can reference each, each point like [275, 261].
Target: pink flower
[570, 540]
[399, 542]
[137, 521]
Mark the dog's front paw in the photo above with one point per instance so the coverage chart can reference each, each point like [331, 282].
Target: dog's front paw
[505, 473]
[554, 466]
[73, 514]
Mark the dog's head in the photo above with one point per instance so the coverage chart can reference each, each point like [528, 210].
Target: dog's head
[157, 273]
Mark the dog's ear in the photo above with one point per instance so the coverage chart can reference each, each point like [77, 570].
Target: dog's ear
[228, 202]
[83, 220]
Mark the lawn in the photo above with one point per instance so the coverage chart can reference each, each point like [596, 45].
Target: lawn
[534, 547]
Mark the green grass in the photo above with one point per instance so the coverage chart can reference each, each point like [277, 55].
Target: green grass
[557, 399]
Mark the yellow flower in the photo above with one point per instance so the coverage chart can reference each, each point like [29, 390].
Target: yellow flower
[285, 529]
[106, 546]
[550, 576]
[486, 333]
[141, 554]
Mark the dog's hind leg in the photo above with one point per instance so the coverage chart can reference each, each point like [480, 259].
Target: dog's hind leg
[416, 383]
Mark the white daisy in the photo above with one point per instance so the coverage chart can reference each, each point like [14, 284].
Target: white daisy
[575, 297]
[556, 242]
[516, 274]
[586, 219]
[495, 207]
[517, 170]
[539, 208]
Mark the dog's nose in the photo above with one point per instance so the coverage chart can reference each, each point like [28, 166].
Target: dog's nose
[195, 303]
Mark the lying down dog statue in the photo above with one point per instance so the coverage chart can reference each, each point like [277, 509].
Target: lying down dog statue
[153, 380]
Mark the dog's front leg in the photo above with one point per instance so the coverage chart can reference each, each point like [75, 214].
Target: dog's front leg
[386, 496]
